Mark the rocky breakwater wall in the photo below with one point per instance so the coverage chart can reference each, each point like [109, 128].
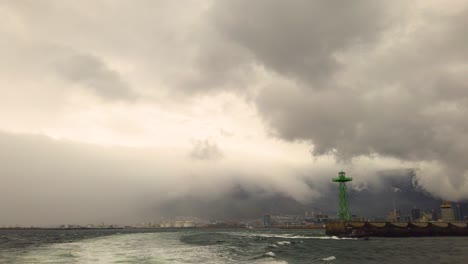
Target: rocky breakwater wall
[391, 229]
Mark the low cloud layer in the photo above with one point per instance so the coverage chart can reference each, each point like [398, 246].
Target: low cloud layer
[205, 150]
[47, 182]
[51, 182]
[165, 100]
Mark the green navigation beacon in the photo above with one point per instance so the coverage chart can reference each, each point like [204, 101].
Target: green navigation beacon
[345, 213]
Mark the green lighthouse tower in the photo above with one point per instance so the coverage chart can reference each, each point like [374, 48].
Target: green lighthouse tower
[345, 213]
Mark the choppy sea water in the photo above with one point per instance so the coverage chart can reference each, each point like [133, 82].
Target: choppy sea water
[221, 246]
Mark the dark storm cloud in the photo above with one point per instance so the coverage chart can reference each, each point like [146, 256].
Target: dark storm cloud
[381, 83]
[300, 38]
[93, 74]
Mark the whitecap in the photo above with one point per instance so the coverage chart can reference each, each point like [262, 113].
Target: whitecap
[270, 261]
[342, 238]
[329, 258]
[289, 236]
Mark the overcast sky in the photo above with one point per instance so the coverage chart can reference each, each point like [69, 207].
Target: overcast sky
[110, 107]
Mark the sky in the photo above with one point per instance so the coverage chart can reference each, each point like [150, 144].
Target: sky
[114, 110]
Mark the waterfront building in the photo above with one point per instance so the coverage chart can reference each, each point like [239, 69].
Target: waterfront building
[189, 224]
[415, 214]
[179, 224]
[321, 218]
[435, 215]
[267, 222]
[464, 211]
[447, 212]
[394, 216]
[458, 212]
[405, 218]
[425, 217]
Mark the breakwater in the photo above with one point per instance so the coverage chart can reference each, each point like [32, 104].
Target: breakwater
[392, 229]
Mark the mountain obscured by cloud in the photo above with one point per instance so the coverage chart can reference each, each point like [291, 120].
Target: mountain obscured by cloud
[401, 192]
[47, 181]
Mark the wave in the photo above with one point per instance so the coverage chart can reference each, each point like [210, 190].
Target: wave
[329, 258]
[291, 236]
[270, 261]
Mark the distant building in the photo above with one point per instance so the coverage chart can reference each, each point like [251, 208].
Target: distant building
[357, 218]
[415, 214]
[405, 218]
[435, 215]
[189, 224]
[267, 221]
[447, 213]
[394, 216]
[321, 218]
[425, 217]
[464, 211]
[287, 220]
[377, 219]
[458, 212]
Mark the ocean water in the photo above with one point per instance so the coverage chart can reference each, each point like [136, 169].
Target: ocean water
[221, 246]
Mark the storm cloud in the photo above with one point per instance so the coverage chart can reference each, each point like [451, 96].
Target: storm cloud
[362, 78]
[147, 104]
[93, 74]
